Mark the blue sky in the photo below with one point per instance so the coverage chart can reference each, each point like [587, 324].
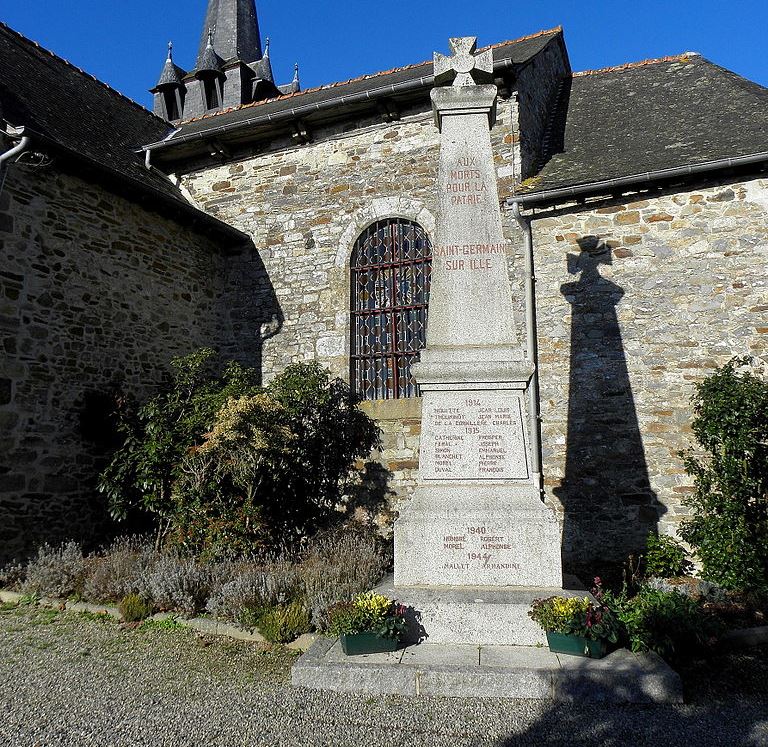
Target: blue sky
[123, 42]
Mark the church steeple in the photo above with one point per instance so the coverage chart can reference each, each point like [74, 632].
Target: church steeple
[234, 29]
[232, 68]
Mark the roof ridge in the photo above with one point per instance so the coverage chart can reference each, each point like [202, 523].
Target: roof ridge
[71, 65]
[742, 80]
[555, 30]
[684, 57]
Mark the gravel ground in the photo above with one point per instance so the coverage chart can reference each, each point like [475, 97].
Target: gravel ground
[69, 679]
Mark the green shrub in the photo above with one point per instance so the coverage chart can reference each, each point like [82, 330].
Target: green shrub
[331, 434]
[228, 468]
[728, 527]
[284, 623]
[670, 624]
[665, 558]
[159, 434]
[133, 608]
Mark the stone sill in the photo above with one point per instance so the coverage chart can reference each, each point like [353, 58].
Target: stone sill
[393, 409]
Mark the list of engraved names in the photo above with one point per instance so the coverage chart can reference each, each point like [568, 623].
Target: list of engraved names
[474, 436]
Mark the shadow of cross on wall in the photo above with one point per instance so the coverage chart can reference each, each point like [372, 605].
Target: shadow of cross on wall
[606, 494]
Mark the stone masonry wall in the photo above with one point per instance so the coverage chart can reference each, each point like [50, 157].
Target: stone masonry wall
[638, 300]
[304, 206]
[93, 290]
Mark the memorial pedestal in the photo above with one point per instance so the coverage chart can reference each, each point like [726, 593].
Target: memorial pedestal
[476, 528]
[476, 518]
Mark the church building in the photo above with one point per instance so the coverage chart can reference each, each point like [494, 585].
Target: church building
[278, 225]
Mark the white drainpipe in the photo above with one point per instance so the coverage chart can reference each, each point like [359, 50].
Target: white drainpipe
[16, 150]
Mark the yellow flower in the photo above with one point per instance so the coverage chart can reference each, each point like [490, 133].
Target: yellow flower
[567, 607]
[373, 604]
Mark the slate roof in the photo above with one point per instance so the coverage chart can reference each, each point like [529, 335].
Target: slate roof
[648, 116]
[171, 74]
[83, 120]
[234, 25]
[517, 51]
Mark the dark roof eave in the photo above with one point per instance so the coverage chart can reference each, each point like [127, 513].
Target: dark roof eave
[610, 186]
[135, 190]
[424, 82]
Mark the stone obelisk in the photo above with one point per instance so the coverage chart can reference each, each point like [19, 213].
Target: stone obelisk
[476, 518]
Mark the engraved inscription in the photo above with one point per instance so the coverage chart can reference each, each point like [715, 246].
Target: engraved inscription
[465, 183]
[481, 548]
[468, 256]
[474, 436]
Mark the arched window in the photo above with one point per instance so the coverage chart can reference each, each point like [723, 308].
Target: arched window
[391, 265]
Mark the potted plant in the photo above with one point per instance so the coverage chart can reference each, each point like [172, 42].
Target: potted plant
[577, 625]
[370, 623]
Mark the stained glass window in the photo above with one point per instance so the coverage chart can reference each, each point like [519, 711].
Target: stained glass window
[391, 265]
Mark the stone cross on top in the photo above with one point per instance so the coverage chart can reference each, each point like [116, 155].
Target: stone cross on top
[464, 67]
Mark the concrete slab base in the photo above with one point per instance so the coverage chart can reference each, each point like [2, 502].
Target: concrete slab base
[464, 670]
[476, 615]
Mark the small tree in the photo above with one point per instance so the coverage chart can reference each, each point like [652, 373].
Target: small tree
[220, 496]
[331, 431]
[227, 467]
[158, 435]
[729, 523]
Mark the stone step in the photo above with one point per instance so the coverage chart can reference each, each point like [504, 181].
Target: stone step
[473, 615]
[461, 670]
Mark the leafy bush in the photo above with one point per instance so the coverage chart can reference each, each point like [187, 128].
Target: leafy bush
[284, 623]
[672, 625]
[729, 523]
[119, 570]
[253, 589]
[181, 584]
[665, 558]
[158, 435]
[56, 571]
[133, 608]
[223, 491]
[331, 433]
[228, 468]
[339, 566]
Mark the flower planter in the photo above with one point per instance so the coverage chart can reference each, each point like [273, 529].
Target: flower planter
[576, 645]
[353, 644]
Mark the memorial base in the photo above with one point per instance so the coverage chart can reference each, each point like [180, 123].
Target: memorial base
[491, 536]
[473, 615]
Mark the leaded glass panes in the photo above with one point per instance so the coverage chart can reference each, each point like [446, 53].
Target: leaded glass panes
[391, 265]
